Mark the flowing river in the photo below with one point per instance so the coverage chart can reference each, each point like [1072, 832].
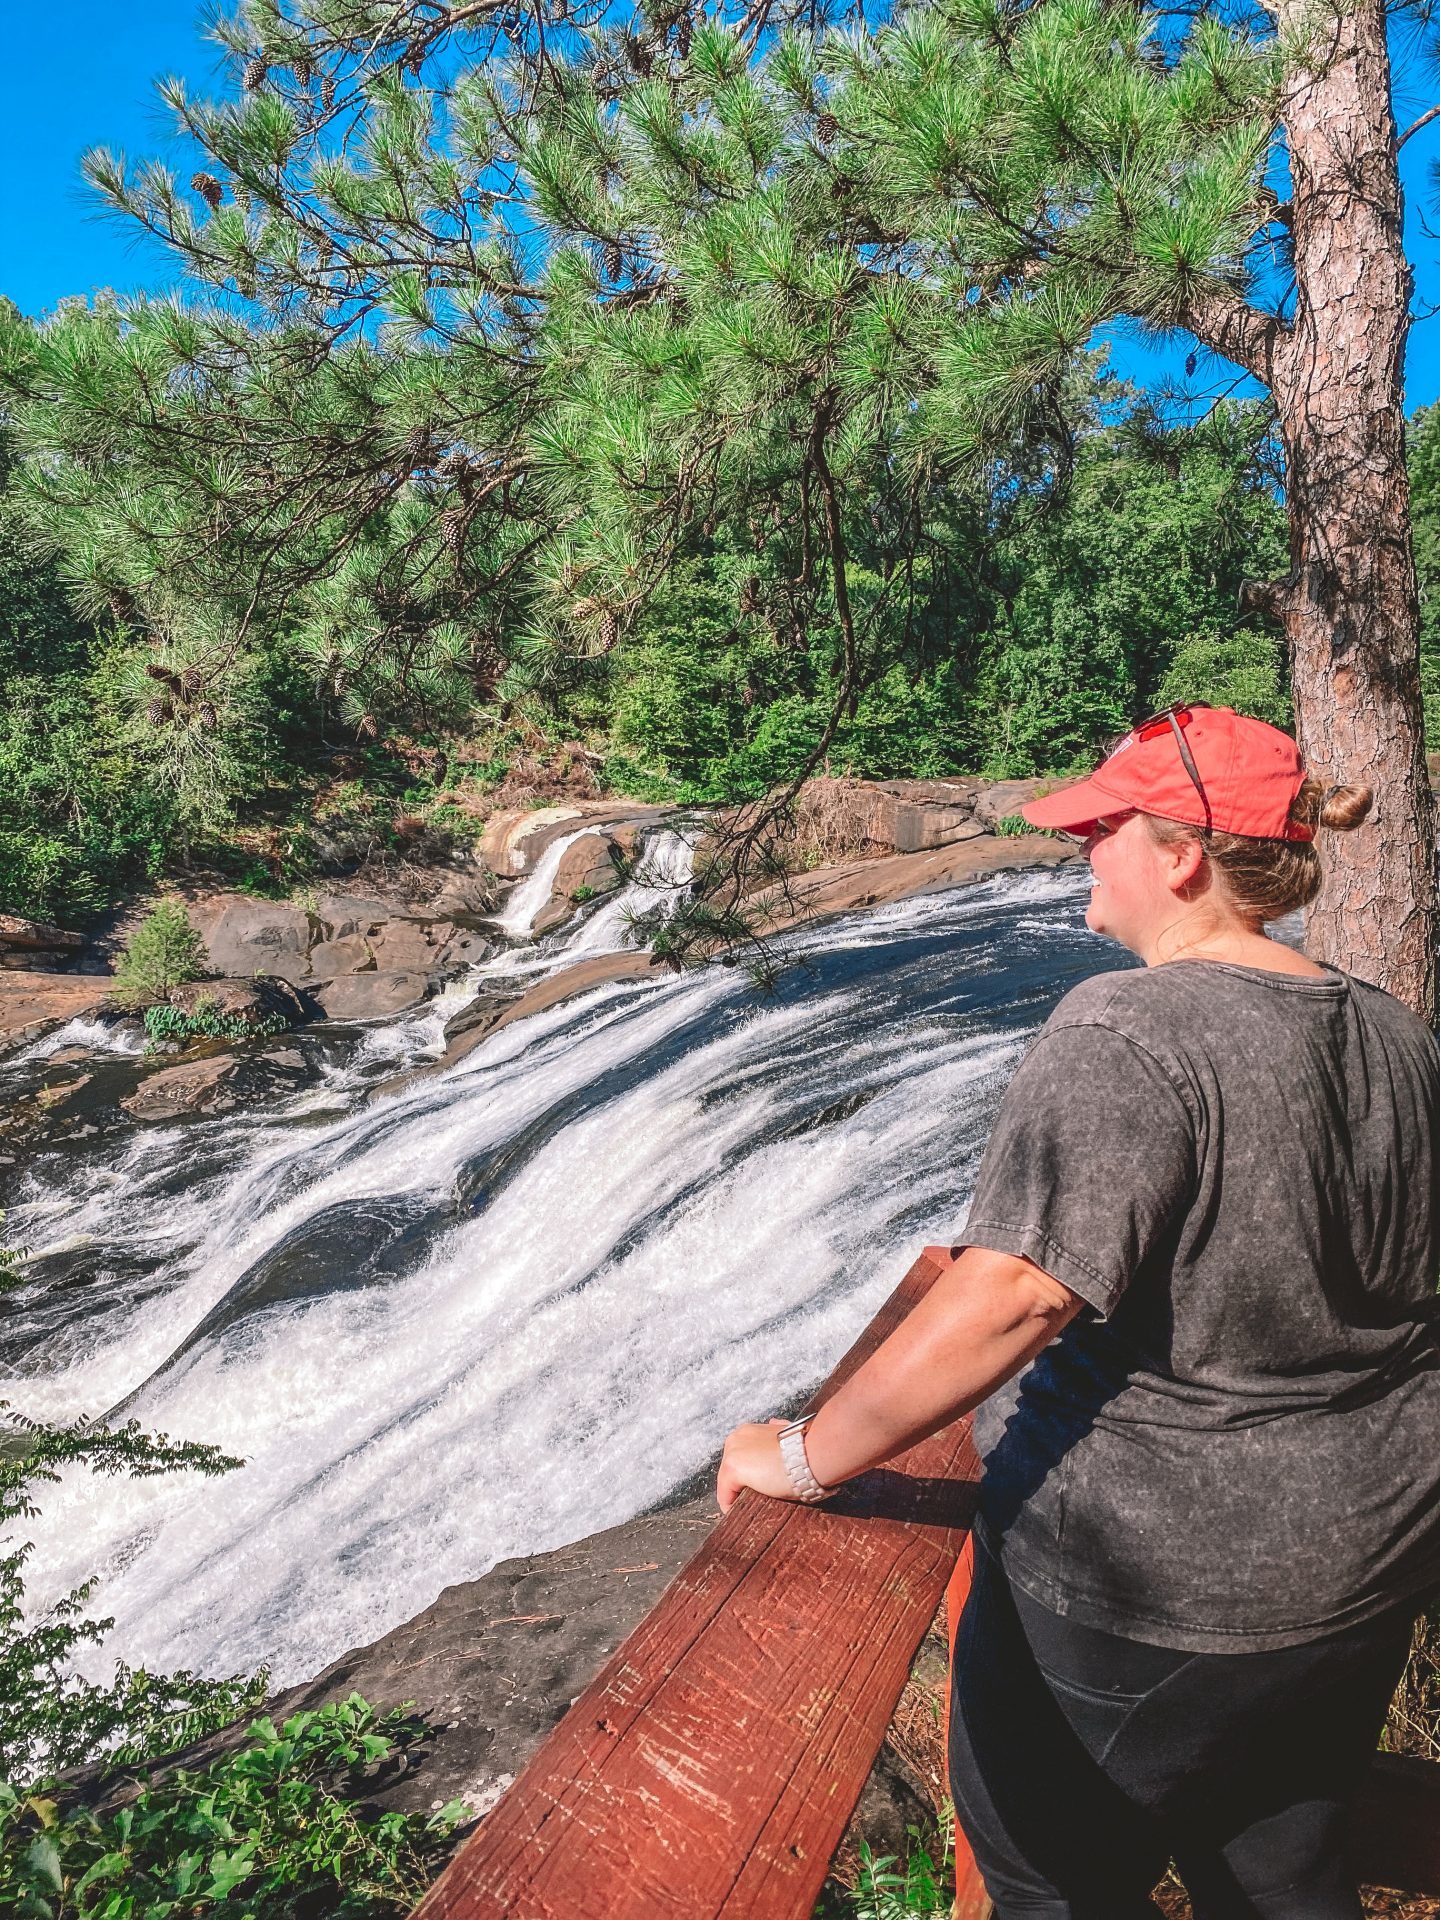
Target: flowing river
[521, 1300]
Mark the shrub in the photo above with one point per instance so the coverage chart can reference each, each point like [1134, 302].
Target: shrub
[207, 1022]
[260, 1833]
[265, 1831]
[164, 952]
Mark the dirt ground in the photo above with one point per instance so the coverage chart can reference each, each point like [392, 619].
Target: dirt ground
[1380, 1902]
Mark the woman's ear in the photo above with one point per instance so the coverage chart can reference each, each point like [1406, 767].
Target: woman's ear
[1182, 861]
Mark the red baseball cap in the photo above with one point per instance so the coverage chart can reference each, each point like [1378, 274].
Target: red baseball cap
[1206, 766]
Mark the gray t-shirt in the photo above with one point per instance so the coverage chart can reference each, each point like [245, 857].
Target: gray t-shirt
[1239, 1447]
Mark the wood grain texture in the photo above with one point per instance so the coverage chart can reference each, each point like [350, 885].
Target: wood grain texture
[712, 1765]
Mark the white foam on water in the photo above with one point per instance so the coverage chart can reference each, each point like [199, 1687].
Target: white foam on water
[533, 892]
[685, 1250]
[665, 868]
[96, 1036]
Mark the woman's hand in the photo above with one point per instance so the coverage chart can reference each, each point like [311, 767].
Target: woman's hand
[752, 1459]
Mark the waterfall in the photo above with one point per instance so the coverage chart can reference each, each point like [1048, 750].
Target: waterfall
[533, 892]
[516, 1302]
[665, 868]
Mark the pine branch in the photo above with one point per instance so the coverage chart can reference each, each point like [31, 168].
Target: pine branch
[1230, 326]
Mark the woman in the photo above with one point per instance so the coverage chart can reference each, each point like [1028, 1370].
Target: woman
[1202, 1252]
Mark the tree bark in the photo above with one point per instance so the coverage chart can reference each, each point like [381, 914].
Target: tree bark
[1349, 606]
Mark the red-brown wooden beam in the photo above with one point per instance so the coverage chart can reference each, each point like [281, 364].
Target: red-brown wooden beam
[712, 1765]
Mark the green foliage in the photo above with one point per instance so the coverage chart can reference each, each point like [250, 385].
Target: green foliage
[1244, 671]
[77, 819]
[51, 1718]
[261, 1834]
[163, 953]
[207, 1022]
[888, 1888]
[264, 1832]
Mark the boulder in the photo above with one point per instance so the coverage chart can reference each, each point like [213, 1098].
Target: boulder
[194, 1086]
[257, 1001]
[590, 863]
[1004, 799]
[492, 1011]
[469, 896]
[515, 838]
[33, 1003]
[406, 941]
[340, 916]
[217, 1081]
[21, 940]
[371, 996]
[351, 953]
[848, 817]
[853, 884]
[244, 936]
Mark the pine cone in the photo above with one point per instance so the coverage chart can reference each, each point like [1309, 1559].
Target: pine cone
[158, 712]
[452, 529]
[191, 681]
[207, 716]
[366, 726]
[750, 594]
[209, 189]
[682, 36]
[827, 129]
[638, 56]
[163, 674]
[608, 631]
[327, 91]
[416, 450]
[122, 604]
[614, 260]
[255, 71]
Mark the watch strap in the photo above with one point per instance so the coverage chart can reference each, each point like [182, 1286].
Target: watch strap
[797, 1467]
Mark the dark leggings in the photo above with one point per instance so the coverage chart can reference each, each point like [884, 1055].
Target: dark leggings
[1082, 1763]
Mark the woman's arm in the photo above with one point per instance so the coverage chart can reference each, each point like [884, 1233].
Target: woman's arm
[985, 1318]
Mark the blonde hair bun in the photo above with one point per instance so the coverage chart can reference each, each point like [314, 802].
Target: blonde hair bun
[1343, 808]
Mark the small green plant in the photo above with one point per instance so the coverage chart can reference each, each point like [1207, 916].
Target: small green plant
[888, 1889]
[10, 1258]
[164, 952]
[261, 1834]
[1011, 826]
[266, 1831]
[207, 1022]
[581, 894]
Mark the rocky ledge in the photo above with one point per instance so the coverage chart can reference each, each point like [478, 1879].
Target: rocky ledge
[494, 1663]
[354, 957]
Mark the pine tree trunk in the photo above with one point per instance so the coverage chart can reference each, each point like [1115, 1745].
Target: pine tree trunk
[1349, 606]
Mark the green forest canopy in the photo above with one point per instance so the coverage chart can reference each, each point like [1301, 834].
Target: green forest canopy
[690, 392]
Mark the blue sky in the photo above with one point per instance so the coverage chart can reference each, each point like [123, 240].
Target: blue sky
[85, 78]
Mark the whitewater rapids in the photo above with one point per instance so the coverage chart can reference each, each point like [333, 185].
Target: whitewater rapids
[516, 1302]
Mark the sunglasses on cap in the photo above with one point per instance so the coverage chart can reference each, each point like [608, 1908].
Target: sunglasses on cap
[1172, 720]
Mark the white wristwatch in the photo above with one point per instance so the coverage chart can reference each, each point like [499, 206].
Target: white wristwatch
[797, 1467]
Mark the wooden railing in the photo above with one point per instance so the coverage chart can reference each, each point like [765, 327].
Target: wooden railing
[713, 1763]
